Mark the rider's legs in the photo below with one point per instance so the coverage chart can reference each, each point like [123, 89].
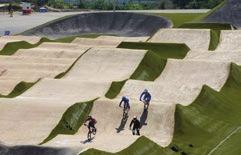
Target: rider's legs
[91, 126]
[125, 111]
[135, 131]
[146, 104]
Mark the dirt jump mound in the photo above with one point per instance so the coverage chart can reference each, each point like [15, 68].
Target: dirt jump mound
[229, 12]
[115, 23]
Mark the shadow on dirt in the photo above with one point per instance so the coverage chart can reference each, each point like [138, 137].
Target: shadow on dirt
[122, 124]
[143, 118]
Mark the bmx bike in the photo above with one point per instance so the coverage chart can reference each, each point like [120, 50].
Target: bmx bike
[92, 131]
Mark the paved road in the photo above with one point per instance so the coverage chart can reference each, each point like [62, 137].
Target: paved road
[20, 23]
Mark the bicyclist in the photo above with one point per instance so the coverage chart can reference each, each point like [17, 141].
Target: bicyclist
[146, 98]
[126, 106]
[136, 126]
[91, 123]
[125, 100]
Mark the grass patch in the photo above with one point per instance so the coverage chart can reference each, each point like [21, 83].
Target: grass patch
[214, 26]
[214, 39]
[71, 120]
[59, 76]
[19, 89]
[202, 126]
[115, 89]
[180, 18]
[11, 47]
[150, 67]
[163, 50]
[142, 146]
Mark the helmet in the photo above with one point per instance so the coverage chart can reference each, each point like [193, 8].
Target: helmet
[125, 97]
[145, 90]
[135, 117]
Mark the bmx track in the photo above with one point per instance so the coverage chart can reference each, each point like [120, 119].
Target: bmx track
[97, 64]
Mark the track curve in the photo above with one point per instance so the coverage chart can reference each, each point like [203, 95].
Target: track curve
[115, 23]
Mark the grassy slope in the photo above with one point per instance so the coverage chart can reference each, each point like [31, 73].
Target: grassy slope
[200, 127]
[19, 89]
[180, 18]
[59, 76]
[142, 146]
[71, 120]
[152, 64]
[115, 89]
[12, 47]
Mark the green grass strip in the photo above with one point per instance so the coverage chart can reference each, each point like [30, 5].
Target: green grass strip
[19, 89]
[150, 67]
[142, 146]
[180, 18]
[59, 76]
[204, 126]
[71, 120]
[11, 47]
[214, 26]
[214, 39]
[115, 89]
[163, 50]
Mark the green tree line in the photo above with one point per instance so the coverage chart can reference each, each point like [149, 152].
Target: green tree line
[130, 4]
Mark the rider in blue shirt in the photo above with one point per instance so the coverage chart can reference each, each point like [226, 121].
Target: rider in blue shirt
[146, 98]
[125, 100]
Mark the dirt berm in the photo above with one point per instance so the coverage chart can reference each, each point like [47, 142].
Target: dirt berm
[230, 13]
[115, 23]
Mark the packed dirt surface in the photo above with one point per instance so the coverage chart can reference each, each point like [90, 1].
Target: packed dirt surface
[29, 118]
[230, 40]
[117, 23]
[113, 131]
[195, 39]
[107, 41]
[181, 81]
[52, 96]
[29, 65]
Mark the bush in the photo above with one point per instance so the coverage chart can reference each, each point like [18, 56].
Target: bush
[59, 4]
[134, 6]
